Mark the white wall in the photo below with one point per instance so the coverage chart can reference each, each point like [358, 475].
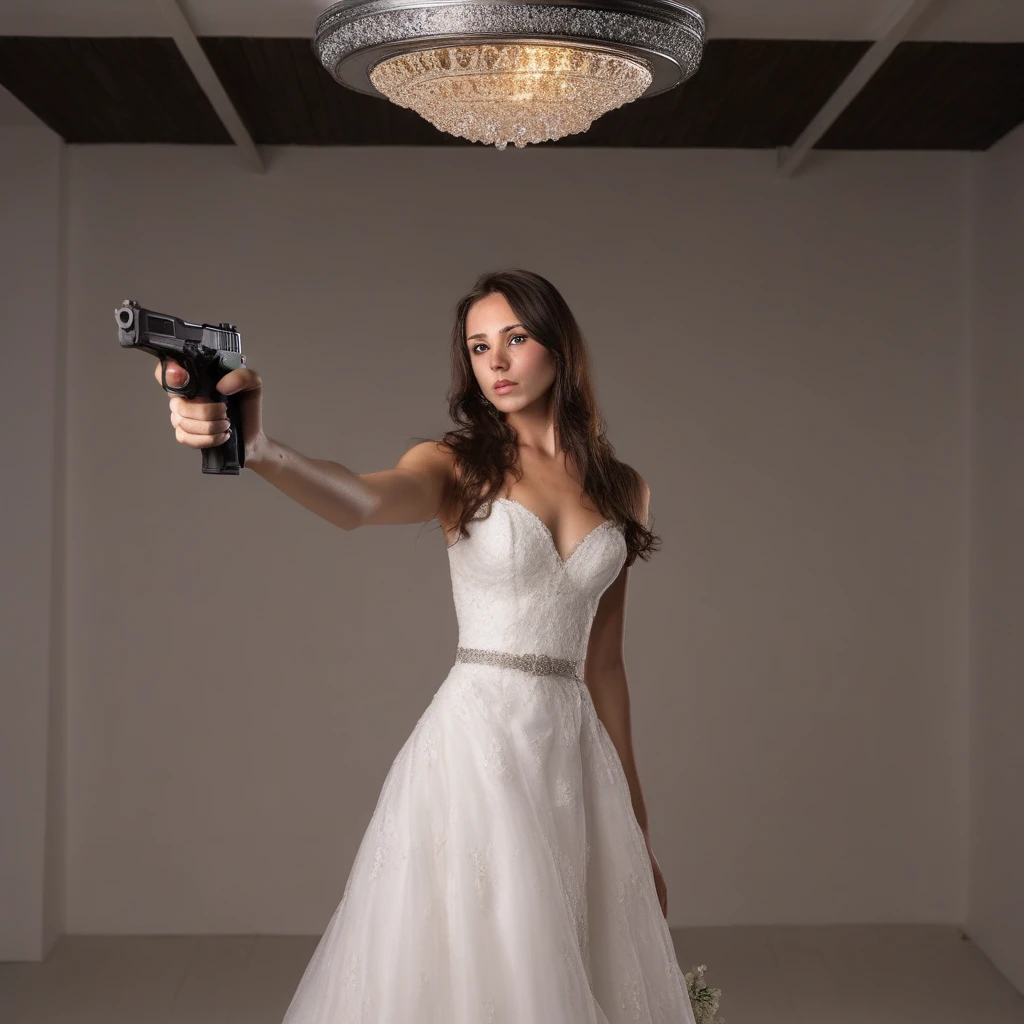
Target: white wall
[33, 181]
[783, 360]
[996, 907]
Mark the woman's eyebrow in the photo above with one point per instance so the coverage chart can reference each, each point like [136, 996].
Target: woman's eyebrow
[504, 330]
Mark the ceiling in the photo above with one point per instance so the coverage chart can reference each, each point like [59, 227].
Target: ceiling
[826, 74]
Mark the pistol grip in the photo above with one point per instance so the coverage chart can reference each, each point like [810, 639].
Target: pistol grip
[228, 459]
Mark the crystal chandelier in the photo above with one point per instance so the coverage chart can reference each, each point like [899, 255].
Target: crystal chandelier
[510, 72]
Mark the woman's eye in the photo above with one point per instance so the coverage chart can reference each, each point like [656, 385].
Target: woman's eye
[511, 338]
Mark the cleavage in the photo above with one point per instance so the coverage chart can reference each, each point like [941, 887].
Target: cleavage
[551, 533]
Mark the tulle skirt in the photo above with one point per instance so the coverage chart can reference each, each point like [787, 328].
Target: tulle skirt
[503, 878]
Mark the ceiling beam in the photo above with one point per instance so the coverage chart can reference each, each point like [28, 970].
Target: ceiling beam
[197, 60]
[900, 25]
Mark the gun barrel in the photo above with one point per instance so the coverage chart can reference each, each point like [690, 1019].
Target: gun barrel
[128, 325]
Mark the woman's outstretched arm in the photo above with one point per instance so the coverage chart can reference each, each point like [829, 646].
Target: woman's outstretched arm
[411, 492]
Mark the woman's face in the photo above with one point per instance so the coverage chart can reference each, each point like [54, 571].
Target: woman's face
[499, 348]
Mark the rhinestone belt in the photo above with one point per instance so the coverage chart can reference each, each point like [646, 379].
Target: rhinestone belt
[541, 664]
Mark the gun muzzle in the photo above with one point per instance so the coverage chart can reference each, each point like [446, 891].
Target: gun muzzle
[128, 323]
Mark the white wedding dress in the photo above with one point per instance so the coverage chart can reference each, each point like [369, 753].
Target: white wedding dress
[503, 878]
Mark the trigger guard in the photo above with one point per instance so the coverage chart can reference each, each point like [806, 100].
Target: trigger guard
[163, 379]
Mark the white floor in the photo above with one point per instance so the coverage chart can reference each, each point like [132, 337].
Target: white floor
[878, 974]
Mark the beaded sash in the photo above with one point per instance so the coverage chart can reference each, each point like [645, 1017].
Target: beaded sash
[540, 664]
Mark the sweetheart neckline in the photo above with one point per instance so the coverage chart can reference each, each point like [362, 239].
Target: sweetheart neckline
[547, 532]
[551, 537]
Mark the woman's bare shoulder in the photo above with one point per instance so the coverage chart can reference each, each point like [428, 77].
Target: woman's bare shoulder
[432, 455]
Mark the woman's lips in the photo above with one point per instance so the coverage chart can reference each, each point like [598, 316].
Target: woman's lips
[502, 388]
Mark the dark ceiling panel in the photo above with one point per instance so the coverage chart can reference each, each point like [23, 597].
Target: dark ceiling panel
[285, 97]
[964, 96]
[751, 94]
[109, 89]
[747, 93]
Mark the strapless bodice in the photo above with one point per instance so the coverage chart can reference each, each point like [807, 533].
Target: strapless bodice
[513, 591]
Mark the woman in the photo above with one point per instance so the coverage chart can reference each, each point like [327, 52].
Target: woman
[506, 874]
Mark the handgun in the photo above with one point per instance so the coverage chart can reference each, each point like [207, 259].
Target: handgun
[207, 352]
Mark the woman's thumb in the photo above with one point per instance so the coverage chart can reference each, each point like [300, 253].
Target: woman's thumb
[242, 379]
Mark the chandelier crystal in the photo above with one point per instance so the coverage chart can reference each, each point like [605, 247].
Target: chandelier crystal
[511, 92]
[496, 72]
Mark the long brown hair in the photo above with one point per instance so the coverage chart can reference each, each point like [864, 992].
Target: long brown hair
[485, 447]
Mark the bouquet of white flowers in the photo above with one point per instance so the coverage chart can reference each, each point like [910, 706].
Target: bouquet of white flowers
[704, 1000]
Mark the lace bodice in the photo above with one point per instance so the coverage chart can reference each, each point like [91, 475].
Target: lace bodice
[514, 592]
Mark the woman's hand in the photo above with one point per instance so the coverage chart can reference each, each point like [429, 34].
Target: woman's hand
[659, 878]
[202, 423]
